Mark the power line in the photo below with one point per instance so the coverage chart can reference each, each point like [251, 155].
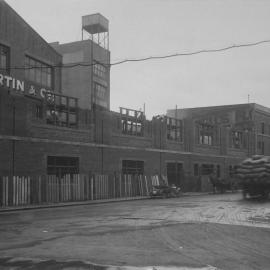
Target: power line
[87, 64]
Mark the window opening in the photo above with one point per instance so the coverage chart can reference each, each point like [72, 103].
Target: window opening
[62, 165]
[133, 167]
[132, 122]
[174, 129]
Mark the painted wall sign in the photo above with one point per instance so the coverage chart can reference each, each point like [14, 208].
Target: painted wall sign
[23, 87]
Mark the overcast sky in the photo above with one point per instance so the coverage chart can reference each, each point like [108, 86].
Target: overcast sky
[141, 28]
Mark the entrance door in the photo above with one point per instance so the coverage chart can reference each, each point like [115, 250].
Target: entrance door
[175, 173]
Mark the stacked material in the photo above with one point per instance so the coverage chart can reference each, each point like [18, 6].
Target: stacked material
[255, 169]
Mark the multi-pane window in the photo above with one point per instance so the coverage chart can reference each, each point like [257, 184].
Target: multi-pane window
[174, 129]
[61, 110]
[61, 166]
[132, 167]
[38, 72]
[238, 140]
[4, 59]
[100, 95]
[206, 133]
[99, 70]
[132, 122]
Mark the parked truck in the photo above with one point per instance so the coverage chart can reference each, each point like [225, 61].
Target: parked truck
[254, 176]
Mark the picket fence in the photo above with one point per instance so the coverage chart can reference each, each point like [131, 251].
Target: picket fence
[21, 191]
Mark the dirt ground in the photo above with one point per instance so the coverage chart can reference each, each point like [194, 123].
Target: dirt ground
[191, 232]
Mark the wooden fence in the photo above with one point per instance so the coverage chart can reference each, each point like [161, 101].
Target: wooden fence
[21, 191]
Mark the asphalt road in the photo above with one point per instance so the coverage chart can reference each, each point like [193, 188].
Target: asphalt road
[190, 232]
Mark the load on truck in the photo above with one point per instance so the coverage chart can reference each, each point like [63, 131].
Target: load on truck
[254, 176]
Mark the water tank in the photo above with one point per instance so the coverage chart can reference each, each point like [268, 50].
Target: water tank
[95, 23]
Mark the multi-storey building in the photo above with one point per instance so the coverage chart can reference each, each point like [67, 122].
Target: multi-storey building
[57, 120]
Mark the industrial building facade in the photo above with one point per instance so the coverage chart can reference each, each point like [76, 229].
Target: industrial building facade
[55, 116]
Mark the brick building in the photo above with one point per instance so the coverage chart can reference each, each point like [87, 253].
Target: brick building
[57, 121]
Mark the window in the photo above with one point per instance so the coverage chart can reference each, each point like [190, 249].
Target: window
[262, 128]
[218, 170]
[132, 167]
[38, 111]
[261, 147]
[4, 59]
[196, 169]
[61, 110]
[100, 95]
[238, 140]
[100, 70]
[61, 166]
[174, 129]
[132, 122]
[207, 169]
[206, 133]
[38, 72]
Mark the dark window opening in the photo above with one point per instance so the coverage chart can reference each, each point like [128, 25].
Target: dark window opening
[261, 147]
[132, 122]
[174, 129]
[208, 169]
[196, 169]
[61, 166]
[218, 171]
[133, 167]
[4, 59]
[38, 111]
[262, 128]
[175, 173]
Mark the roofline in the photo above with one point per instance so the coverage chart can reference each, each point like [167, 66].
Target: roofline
[13, 10]
[218, 106]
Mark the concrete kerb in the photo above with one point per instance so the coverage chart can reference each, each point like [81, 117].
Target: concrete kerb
[66, 204]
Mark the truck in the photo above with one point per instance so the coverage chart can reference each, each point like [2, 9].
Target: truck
[254, 176]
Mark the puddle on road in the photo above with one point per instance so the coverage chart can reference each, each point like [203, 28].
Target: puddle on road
[21, 263]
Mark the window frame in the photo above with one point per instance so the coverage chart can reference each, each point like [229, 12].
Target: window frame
[132, 122]
[128, 169]
[5, 50]
[39, 72]
[56, 166]
[174, 129]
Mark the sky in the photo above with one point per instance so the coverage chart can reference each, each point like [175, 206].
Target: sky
[142, 28]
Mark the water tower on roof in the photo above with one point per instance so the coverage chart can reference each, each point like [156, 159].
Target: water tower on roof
[97, 26]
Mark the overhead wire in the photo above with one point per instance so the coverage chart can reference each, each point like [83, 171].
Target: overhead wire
[87, 64]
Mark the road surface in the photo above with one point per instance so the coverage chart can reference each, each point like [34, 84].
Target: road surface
[190, 232]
